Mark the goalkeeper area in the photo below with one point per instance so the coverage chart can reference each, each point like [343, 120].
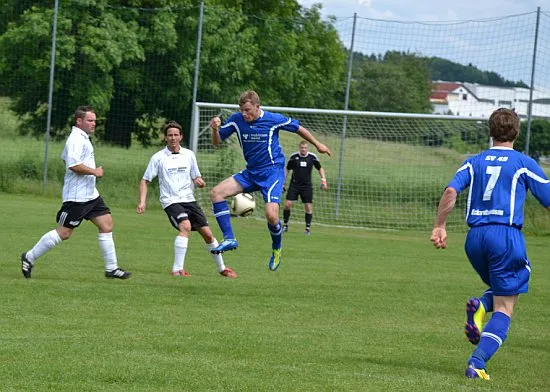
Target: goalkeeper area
[387, 170]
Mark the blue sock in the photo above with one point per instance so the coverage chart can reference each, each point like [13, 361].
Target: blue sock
[276, 234]
[221, 212]
[487, 300]
[492, 337]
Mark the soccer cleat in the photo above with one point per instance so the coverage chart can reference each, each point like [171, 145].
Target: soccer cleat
[307, 232]
[181, 273]
[285, 228]
[118, 273]
[276, 259]
[475, 316]
[226, 245]
[26, 266]
[228, 273]
[472, 372]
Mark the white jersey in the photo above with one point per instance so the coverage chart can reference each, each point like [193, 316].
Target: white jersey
[78, 150]
[176, 173]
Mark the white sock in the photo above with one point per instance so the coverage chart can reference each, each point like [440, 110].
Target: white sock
[44, 244]
[107, 246]
[180, 249]
[218, 259]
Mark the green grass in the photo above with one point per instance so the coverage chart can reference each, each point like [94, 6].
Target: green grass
[348, 310]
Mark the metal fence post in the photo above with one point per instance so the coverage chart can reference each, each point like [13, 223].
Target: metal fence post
[344, 125]
[50, 97]
[530, 105]
[194, 137]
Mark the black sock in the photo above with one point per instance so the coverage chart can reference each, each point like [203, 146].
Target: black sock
[286, 215]
[308, 220]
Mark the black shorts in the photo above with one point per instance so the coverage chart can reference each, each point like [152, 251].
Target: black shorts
[304, 191]
[72, 213]
[178, 212]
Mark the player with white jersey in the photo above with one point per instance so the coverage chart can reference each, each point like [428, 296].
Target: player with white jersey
[498, 180]
[81, 200]
[178, 173]
[258, 133]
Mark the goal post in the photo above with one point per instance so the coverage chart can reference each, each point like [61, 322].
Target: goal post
[388, 172]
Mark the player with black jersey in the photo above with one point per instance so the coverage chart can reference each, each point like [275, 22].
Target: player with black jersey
[302, 163]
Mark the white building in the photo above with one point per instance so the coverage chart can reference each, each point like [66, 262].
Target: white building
[471, 99]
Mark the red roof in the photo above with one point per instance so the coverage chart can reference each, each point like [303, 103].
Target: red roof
[445, 86]
[441, 90]
[438, 95]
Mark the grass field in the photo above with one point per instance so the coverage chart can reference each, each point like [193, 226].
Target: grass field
[348, 310]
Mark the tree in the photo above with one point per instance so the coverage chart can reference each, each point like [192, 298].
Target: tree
[93, 41]
[443, 69]
[134, 60]
[539, 140]
[398, 83]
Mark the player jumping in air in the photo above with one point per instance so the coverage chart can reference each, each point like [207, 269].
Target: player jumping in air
[258, 134]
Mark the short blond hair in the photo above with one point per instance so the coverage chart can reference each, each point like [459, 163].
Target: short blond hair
[249, 96]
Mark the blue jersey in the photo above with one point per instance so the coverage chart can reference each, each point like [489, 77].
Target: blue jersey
[259, 139]
[499, 179]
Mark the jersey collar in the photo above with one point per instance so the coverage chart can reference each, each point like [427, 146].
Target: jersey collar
[501, 148]
[80, 131]
[168, 152]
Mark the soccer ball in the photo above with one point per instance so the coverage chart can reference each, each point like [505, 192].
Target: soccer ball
[243, 204]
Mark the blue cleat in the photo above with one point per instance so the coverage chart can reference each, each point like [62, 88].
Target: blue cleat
[276, 259]
[226, 245]
[472, 372]
[475, 316]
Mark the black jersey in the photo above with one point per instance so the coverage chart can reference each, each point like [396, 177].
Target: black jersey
[301, 167]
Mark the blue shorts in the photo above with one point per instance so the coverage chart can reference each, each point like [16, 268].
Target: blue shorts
[499, 256]
[269, 181]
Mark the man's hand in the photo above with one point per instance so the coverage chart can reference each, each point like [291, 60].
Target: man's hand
[98, 172]
[439, 237]
[215, 123]
[323, 149]
[324, 185]
[140, 209]
[199, 182]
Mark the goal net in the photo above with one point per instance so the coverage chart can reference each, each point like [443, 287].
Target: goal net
[387, 170]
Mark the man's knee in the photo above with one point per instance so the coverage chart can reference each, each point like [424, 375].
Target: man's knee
[214, 193]
[104, 223]
[64, 232]
[220, 192]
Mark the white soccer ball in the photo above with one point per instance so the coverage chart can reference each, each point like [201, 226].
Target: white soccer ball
[243, 204]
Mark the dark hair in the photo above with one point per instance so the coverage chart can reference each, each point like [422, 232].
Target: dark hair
[172, 124]
[504, 125]
[249, 96]
[81, 111]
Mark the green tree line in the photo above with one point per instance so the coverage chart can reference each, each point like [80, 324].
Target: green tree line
[134, 61]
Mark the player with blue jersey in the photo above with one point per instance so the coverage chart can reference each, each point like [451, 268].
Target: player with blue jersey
[258, 133]
[498, 180]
